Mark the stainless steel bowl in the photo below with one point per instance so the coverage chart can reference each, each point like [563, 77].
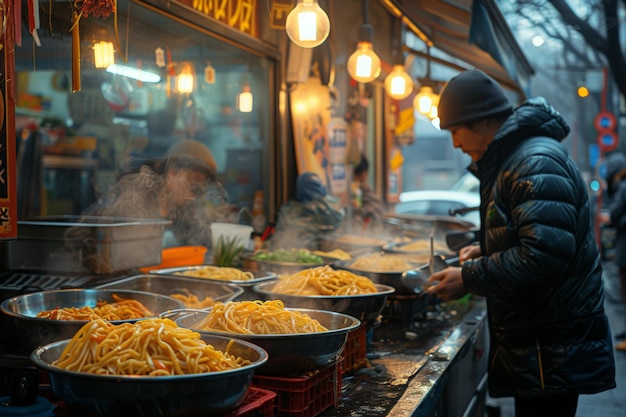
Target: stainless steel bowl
[34, 332]
[248, 293]
[365, 307]
[291, 353]
[168, 285]
[161, 396]
[275, 267]
[352, 243]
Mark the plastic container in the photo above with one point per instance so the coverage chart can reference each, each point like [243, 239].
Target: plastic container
[179, 256]
[231, 231]
[355, 352]
[307, 395]
[258, 403]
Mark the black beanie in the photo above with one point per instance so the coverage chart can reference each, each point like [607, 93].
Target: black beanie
[471, 95]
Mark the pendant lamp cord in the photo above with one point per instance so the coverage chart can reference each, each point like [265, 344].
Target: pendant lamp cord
[366, 17]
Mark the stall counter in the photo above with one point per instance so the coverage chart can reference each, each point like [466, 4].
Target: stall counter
[437, 370]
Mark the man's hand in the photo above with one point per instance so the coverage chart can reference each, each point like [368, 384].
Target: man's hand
[448, 284]
[469, 252]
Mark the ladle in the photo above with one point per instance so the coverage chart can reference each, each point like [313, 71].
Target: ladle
[417, 279]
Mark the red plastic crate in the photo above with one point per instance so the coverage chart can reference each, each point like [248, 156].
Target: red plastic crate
[307, 395]
[258, 403]
[355, 352]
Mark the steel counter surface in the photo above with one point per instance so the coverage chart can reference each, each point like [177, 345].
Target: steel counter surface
[408, 377]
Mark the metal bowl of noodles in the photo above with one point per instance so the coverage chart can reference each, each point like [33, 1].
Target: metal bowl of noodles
[295, 353]
[34, 332]
[211, 393]
[365, 307]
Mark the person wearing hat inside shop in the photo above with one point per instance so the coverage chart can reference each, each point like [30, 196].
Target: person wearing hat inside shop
[181, 187]
[305, 219]
[537, 263]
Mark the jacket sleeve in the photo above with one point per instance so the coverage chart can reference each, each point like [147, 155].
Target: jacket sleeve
[531, 228]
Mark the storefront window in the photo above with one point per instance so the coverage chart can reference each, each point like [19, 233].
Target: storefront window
[74, 145]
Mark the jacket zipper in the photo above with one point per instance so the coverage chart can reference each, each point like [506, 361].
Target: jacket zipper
[540, 365]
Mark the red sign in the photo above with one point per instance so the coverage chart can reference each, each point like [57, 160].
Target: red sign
[607, 141]
[605, 121]
[8, 190]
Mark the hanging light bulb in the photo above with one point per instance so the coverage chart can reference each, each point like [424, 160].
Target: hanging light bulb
[103, 54]
[244, 100]
[398, 83]
[307, 24]
[185, 80]
[364, 65]
[426, 102]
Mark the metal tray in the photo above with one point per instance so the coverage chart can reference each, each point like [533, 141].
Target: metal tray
[248, 293]
[87, 244]
[168, 285]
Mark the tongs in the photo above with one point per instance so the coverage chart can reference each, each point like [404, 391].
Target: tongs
[417, 279]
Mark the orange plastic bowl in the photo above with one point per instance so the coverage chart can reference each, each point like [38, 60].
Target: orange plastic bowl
[179, 256]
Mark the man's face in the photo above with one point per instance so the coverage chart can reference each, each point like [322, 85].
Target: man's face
[470, 140]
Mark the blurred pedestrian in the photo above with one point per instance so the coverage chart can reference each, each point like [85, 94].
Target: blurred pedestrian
[616, 192]
[537, 265]
[304, 220]
[370, 207]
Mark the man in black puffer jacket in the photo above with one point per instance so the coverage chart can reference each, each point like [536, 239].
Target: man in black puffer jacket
[537, 265]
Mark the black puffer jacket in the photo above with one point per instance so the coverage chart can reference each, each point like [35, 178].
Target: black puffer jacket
[541, 275]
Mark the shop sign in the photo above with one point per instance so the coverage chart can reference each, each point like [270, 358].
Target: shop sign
[8, 190]
[278, 13]
[237, 14]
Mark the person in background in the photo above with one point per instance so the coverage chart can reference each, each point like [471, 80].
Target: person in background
[173, 187]
[304, 220]
[616, 192]
[371, 207]
[537, 265]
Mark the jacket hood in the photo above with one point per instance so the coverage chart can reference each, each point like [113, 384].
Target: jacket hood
[535, 117]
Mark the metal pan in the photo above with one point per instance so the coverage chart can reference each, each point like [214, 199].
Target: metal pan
[390, 278]
[292, 354]
[207, 394]
[34, 332]
[170, 285]
[365, 307]
[259, 276]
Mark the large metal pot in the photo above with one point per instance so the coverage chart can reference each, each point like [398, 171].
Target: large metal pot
[211, 393]
[34, 332]
[291, 353]
[365, 307]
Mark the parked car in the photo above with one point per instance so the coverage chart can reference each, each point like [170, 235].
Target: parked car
[440, 203]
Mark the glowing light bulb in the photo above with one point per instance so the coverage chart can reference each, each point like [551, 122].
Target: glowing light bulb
[398, 83]
[307, 24]
[423, 101]
[185, 81]
[244, 100]
[364, 65]
[103, 54]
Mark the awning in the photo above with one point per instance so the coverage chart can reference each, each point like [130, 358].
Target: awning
[473, 31]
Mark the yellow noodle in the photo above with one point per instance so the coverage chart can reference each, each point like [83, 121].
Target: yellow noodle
[218, 272]
[324, 280]
[192, 301]
[258, 317]
[381, 263]
[121, 309]
[335, 253]
[151, 347]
